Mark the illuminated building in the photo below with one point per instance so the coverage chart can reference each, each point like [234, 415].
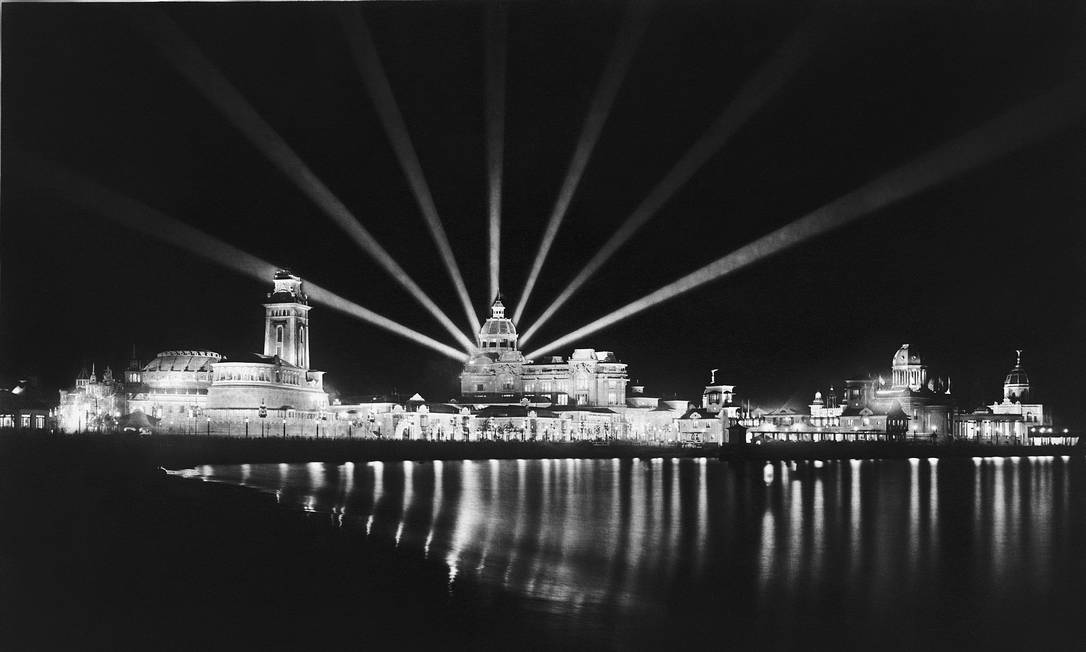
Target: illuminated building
[204, 392]
[913, 405]
[924, 399]
[279, 379]
[23, 407]
[648, 418]
[172, 387]
[505, 396]
[707, 423]
[1017, 419]
[93, 404]
[499, 374]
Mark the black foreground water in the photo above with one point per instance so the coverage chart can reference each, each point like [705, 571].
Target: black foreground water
[982, 553]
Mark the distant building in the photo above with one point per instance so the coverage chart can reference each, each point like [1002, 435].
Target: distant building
[499, 374]
[22, 406]
[1017, 419]
[505, 396]
[707, 423]
[650, 419]
[913, 405]
[93, 404]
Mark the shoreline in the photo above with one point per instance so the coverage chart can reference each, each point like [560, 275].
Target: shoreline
[178, 452]
[823, 451]
[101, 549]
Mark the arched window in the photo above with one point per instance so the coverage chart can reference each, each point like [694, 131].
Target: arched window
[302, 362]
[279, 340]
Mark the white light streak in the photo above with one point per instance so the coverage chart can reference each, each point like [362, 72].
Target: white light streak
[1021, 126]
[614, 71]
[435, 511]
[187, 58]
[495, 134]
[469, 513]
[378, 491]
[765, 83]
[364, 52]
[408, 497]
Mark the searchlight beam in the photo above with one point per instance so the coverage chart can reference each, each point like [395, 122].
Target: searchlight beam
[187, 58]
[144, 219]
[495, 133]
[364, 52]
[618, 61]
[769, 79]
[1019, 127]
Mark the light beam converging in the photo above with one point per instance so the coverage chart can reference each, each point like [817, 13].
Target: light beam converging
[495, 133]
[1021, 126]
[614, 71]
[187, 58]
[364, 52]
[146, 220]
[765, 83]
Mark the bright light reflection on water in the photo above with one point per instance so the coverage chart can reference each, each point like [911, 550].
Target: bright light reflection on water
[624, 549]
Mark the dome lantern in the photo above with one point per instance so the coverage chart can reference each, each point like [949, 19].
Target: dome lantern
[1016, 384]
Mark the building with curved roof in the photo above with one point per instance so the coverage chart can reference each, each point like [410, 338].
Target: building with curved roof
[1017, 419]
[498, 373]
[200, 391]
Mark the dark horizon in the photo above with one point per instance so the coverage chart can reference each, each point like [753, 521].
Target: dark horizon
[967, 272]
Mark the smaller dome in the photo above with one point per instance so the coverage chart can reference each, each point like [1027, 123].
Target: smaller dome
[498, 327]
[1017, 376]
[906, 356]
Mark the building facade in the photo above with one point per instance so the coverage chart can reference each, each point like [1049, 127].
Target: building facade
[24, 407]
[1017, 419]
[497, 373]
[912, 405]
[93, 404]
[172, 388]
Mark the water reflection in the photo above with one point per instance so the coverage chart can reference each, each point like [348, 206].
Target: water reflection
[648, 541]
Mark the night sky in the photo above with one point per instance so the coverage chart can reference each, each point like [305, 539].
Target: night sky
[967, 272]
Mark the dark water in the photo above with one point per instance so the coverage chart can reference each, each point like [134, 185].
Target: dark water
[692, 553]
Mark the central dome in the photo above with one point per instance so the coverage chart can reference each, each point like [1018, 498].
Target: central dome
[498, 332]
[1017, 376]
[498, 327]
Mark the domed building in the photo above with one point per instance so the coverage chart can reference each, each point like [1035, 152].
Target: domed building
[1016, 383]
[924, 399]
[913, 404]
[1014, 420]
[204, 392]
[172, 387]
[907, 369]
[498, 373]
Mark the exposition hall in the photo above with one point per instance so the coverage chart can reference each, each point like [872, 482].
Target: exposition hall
[584, 396]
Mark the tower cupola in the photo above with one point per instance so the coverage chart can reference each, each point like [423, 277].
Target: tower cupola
[1016, 384]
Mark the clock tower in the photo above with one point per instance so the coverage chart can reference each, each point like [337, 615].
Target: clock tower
[286, 320]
